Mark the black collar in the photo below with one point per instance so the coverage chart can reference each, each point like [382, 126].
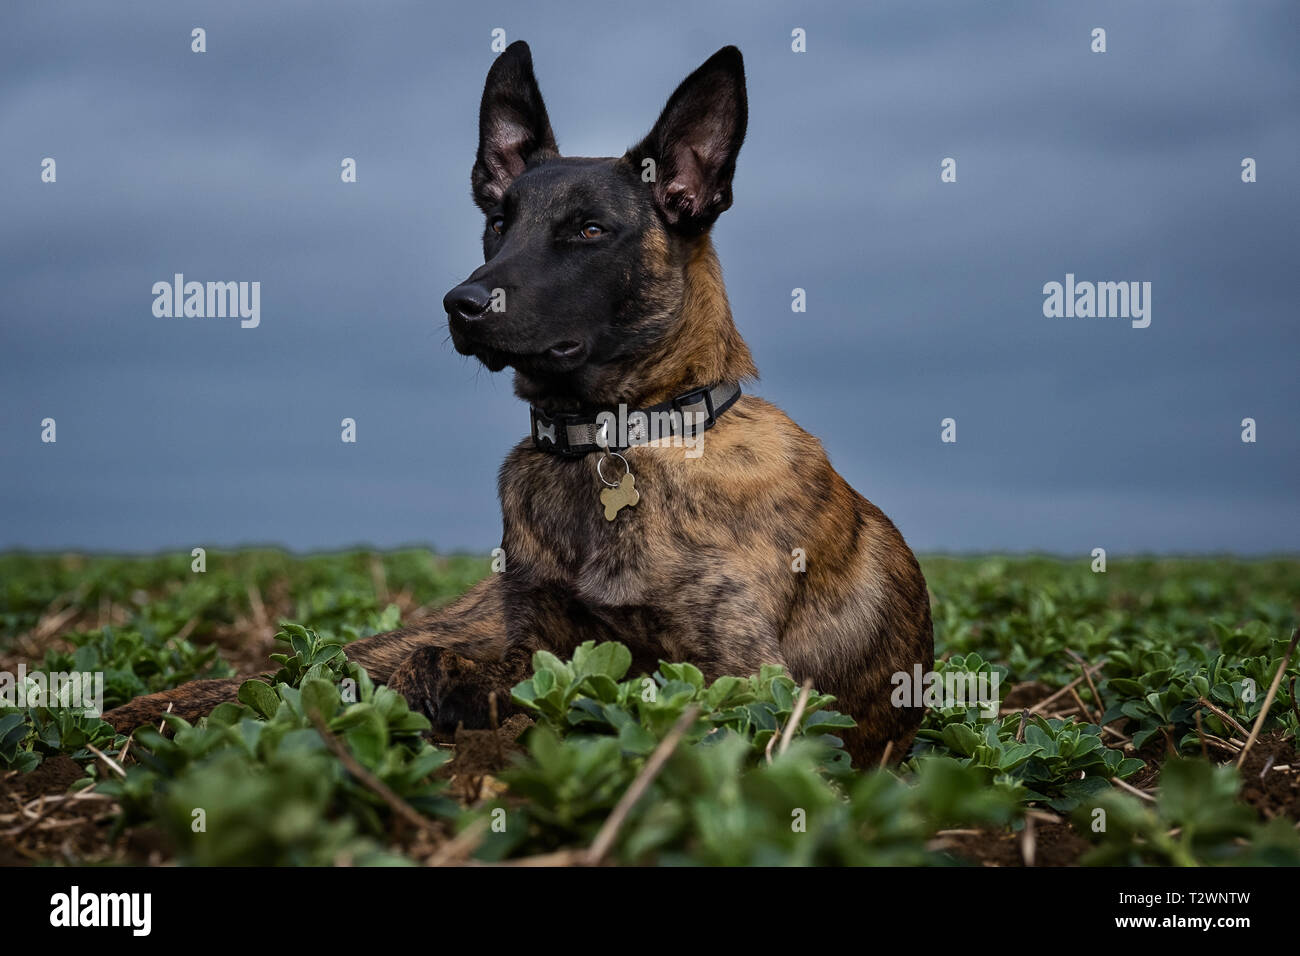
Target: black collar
[575, 434]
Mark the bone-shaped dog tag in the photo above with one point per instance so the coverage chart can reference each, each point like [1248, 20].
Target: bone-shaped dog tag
[624, 496]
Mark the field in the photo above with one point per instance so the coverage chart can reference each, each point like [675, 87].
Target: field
[1127, 731]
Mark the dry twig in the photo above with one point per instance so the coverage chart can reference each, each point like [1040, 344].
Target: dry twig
[1268, 699]
[797, 714]
[609, 830]
[369, 780]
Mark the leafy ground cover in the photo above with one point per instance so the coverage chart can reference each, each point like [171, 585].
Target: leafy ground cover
[1128, 731]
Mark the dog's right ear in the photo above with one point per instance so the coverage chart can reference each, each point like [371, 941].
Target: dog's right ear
[513, 129]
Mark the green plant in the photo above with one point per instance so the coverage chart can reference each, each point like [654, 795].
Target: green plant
[270, 750]
[1195, 821]
[1058, 762]
[274, 790]
[590, 694]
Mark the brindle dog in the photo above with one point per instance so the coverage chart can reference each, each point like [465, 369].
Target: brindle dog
[601, 289]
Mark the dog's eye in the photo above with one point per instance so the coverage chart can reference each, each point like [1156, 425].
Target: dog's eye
[497, 224]
[591, 230]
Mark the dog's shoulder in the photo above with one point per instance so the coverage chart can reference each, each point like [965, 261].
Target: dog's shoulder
[755, 434]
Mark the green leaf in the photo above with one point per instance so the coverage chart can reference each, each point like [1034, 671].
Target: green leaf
[1129, 688]
[543, 683]
[635, 739]
[1038, 738]
[828, 721]
[609, 659]
[722, 690]
[259, 696]
[684, 672]
[600, 687]
[961, 739]
[320, 696]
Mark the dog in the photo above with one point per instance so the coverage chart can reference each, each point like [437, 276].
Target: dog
[723, 536]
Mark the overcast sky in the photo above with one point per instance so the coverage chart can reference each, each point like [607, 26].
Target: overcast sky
[925, 298]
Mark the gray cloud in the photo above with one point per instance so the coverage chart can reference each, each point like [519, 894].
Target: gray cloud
[924, 298]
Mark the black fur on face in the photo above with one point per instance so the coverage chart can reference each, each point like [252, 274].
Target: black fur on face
[584, 258]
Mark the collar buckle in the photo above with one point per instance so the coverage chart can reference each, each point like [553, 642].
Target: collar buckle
[699, 396]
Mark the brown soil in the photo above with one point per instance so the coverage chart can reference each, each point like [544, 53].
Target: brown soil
[1273, 792]
[1055, 844]
[40, 821]
[1025, 695]
[61, 829]
[479, 755]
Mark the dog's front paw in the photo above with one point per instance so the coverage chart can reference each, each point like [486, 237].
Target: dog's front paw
[441, 685]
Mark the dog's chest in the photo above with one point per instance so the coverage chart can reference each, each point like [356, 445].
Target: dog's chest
[608, 549]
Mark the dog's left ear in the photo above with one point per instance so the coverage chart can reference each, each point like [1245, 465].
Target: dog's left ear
[513, 129]
[695, 143]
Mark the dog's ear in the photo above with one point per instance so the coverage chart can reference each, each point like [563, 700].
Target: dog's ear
[695, 143]
[513, 129]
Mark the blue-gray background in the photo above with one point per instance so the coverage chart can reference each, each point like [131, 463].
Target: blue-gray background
[924, 298]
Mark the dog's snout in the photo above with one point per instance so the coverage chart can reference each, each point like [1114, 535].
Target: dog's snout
[467, 302]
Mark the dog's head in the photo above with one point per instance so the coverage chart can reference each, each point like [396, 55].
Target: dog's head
[587, 260]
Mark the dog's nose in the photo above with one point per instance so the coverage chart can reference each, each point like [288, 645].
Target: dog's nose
[467, 302]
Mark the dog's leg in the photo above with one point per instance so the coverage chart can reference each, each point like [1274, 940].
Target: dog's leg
[723, 624]
[472, 624]
[453, 684]
[453, 690]
[191, 701]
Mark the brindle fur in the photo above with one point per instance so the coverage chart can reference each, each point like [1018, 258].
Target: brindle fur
[702, 569]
